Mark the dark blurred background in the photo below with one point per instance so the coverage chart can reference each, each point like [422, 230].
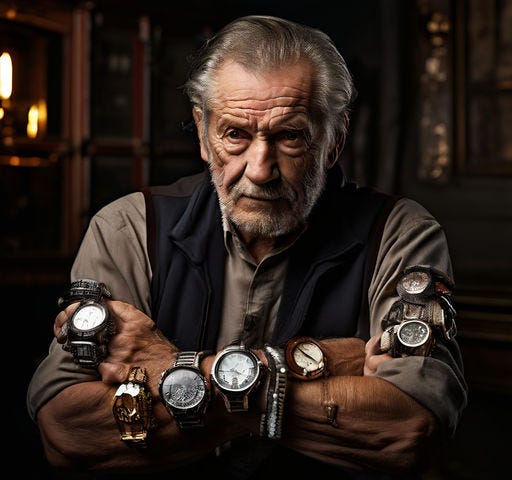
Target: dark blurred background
[93, 110]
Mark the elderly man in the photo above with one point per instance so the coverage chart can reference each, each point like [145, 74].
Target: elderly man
[266, 315]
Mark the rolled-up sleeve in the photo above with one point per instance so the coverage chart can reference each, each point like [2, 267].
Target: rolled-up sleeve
[113, 251]
[412, 236]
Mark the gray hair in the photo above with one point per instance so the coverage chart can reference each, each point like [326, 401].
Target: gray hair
[263, 43]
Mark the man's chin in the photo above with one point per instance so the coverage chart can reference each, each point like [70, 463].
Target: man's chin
[268, 225]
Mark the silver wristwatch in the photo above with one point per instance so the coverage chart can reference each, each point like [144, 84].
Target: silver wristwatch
[184, 390]
[411, 337]
[236, 373]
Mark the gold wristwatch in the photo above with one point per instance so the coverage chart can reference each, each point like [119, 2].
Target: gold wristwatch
[132, 407]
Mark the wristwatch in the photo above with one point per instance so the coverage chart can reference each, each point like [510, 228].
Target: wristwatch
[411, 337]
[236, 373]
[305, 358]
[438, 312]
[89, 329]
[419, 283]
[132, 407]
[184, 390]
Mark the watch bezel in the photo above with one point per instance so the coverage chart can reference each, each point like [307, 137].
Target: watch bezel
[230, 351]
[408, 323]
[75, 333]
[415, 295]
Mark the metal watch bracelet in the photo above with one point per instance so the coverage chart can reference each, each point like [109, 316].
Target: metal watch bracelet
[85, 353]
[81, 289]
[272, 420]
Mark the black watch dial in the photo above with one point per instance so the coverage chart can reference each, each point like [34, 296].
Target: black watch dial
[413, 333]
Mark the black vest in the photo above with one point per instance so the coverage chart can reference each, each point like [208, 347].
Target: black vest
[330, 266]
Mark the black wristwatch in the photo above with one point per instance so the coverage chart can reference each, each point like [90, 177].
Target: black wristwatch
[83, 289]
[184, 390]
[89, 329]
[236, 373]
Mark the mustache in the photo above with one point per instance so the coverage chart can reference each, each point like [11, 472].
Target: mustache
[276, 190]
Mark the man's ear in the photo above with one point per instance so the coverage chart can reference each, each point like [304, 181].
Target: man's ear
[198, 119]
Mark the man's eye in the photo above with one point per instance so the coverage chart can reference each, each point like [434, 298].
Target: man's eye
[291, 135]
[234, 134]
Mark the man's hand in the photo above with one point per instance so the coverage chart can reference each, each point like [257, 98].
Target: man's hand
[60, 323]
[374, 357]
[137, 342]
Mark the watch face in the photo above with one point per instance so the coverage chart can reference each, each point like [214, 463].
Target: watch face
[183, 388]
[88, 316]
[236, 370]
[413, 333]
[308, 357]
[305, 358]
[415, 282]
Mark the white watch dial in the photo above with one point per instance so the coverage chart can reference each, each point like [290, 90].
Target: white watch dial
[236, 371]
[308, 356]
[88, 317]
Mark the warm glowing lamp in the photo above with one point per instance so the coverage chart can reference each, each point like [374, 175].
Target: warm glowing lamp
[5, 76]
[33, 118]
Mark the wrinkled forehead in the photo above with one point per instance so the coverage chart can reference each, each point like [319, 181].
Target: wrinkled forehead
[287, 86]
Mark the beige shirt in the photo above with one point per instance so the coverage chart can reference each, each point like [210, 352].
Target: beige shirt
[114, 251]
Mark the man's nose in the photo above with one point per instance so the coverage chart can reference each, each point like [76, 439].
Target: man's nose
[261, 162]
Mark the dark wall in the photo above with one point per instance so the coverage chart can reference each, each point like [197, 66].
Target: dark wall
[376, 38]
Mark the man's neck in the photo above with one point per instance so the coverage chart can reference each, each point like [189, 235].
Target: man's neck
[259, 247]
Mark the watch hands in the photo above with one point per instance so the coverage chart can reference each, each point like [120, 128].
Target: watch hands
[306, 354]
